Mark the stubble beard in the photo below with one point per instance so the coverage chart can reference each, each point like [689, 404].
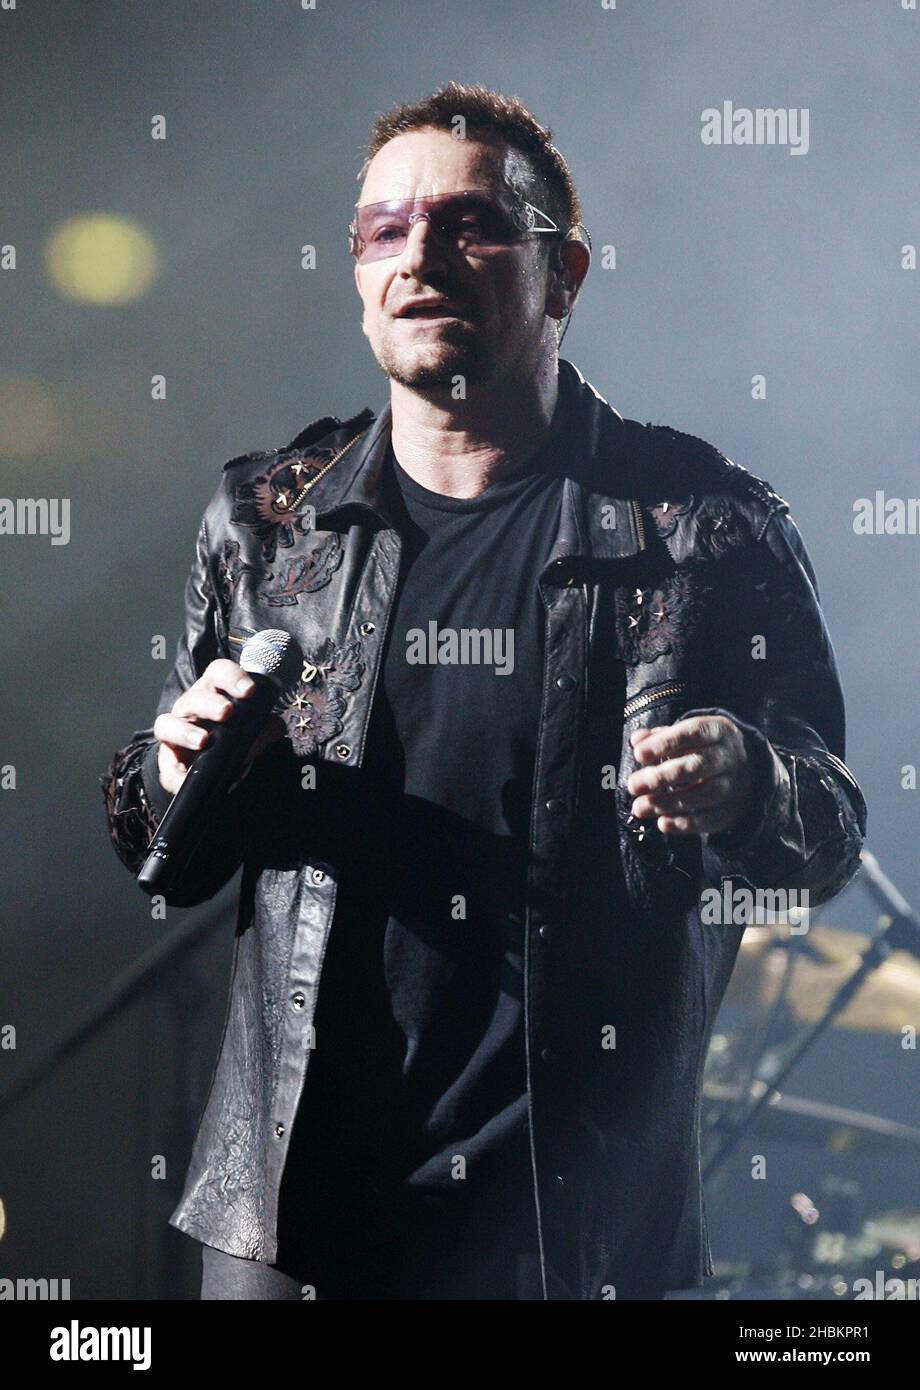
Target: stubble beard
[459, 351]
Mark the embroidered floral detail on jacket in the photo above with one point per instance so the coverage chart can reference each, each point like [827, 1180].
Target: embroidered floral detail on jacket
[667, 514]
[304, 574]
[264, 502]
[662, 618]
[229, 569]
[315, 712]
[719, 528]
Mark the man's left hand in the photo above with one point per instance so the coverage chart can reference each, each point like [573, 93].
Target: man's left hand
[694, 776]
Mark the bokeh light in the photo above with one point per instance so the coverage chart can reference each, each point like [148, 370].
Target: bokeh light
[100, 258]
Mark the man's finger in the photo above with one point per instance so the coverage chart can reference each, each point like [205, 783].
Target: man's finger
[714, 792]
[227, 677]
[202, 704]
[674, 739]
[678, 773]
[172, 770]
[168, 728]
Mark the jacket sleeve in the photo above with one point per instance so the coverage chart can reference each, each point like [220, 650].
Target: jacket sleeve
[808, 817]
[135, 801]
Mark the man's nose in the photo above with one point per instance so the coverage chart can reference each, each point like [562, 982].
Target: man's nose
[423, 246]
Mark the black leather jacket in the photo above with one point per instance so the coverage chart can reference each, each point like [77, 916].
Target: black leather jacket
[669, 563]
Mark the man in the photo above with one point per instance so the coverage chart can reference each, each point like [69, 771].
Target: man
[562, 673]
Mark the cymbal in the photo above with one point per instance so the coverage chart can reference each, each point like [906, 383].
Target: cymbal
[888, 1001]
[830, 1127]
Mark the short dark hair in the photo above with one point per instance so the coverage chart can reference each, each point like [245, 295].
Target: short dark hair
[550, 186]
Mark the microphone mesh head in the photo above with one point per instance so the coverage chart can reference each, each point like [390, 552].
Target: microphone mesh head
[263, 654]
[275, 654]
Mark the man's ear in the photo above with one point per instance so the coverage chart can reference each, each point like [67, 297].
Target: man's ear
[361, 297]
[569, 263]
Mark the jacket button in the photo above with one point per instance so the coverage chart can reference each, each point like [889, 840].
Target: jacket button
[318, 876]
[565, 682]
[279, 1131]
[298, 1000]
[367, 628]
[547, 1055]
[342, 750]
[556, 807]
[546, 931]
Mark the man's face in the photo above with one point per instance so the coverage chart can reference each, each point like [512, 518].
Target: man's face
[499, 319]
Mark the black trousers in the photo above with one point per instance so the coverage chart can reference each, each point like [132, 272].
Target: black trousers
[438, 1258]
[230, 1277]
[226, 1276]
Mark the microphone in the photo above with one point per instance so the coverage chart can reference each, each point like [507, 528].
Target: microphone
[273, 660]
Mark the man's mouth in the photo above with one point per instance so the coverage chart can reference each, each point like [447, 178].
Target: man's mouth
[436, 311]
[441, 312]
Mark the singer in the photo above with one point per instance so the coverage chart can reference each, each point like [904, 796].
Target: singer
[473, 991]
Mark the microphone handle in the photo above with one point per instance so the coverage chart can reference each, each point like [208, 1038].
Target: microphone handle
[212, 772]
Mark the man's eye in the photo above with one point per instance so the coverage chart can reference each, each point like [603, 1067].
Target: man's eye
[483, 226]
[478, 229]
[387, 234]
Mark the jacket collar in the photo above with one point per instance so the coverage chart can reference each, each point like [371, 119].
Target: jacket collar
[600, 518]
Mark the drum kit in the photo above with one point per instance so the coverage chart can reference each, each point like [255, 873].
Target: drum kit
[791, 984]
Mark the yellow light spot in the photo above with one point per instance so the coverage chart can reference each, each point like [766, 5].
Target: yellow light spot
[98, 258]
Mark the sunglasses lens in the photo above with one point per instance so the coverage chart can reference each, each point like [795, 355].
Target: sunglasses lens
[463, 220]
[484, 221]
[382, 228]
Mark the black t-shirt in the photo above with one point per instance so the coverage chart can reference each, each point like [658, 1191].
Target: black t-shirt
[415, 1102]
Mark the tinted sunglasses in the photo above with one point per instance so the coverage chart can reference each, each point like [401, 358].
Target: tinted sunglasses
[472, 220]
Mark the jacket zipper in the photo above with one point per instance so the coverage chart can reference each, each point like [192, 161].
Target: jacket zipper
[323, 471]
[640, 524]
[240, 641]
[640, 702]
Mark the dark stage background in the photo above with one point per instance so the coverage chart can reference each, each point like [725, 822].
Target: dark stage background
[730, 262]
